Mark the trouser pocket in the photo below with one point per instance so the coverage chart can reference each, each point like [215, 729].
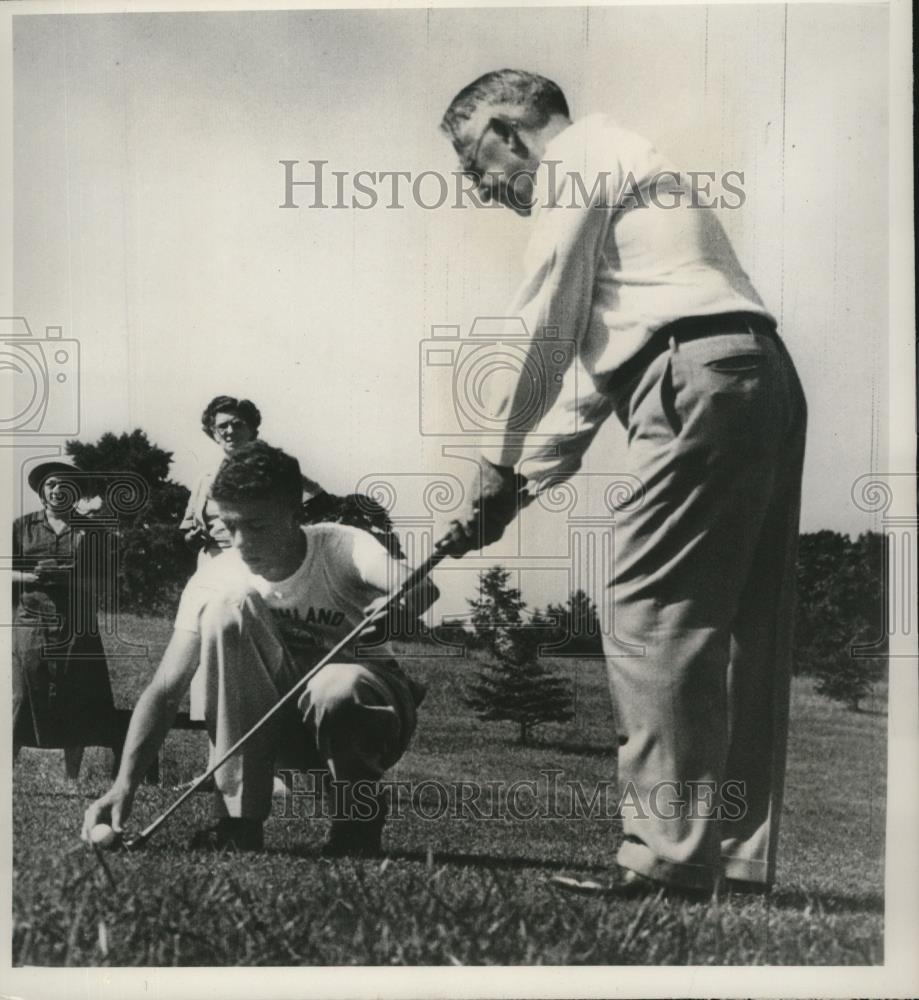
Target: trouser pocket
[726, 396]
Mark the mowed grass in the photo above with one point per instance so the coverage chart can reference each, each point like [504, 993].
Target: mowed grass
[455, 889]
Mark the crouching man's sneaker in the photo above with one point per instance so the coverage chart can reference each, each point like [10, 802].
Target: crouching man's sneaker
[230, 834]
[354, 838]
[359, 838]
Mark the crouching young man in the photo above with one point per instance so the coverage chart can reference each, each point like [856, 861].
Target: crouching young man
[257, 618]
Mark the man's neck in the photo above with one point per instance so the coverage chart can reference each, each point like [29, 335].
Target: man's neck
[553, 127]
[294, 558]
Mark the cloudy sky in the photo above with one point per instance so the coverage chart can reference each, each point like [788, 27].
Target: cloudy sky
[147, 221]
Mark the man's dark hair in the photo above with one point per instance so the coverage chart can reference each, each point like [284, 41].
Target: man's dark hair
[256, 471]
[525, 98]
[245, 409]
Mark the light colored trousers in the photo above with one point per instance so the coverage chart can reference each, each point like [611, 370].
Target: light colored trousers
[354, 720]
[196, 695]
[703, 582]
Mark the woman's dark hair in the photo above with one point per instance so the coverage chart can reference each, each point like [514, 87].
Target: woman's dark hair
[245, 409]
[256, 471]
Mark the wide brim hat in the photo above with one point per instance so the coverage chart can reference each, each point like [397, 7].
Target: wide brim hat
[40, 472]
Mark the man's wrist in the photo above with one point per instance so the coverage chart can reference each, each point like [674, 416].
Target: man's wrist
[505, 471]
[124, 786]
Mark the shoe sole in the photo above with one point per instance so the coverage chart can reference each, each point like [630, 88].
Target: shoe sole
[589, 887]
[586, 887]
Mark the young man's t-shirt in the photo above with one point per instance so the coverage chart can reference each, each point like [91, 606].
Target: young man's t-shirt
[343, 571]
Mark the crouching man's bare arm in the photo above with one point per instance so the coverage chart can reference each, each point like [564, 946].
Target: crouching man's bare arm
[152, 719]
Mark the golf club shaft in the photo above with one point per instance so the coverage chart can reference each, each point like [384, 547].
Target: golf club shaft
[409, 584]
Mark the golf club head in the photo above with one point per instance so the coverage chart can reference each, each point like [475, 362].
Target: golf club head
[132, 842]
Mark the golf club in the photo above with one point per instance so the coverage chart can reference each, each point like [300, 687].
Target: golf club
[409, 584]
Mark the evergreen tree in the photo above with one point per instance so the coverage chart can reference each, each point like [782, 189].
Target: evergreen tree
[514, 685]
[517, 687]
[572, 628]
[497, 606]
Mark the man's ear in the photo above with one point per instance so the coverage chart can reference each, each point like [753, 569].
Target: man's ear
[509, 135]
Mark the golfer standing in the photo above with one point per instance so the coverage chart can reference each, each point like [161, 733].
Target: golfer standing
[678, 345]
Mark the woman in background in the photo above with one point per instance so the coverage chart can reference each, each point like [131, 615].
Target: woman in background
[62, 696]
[230, 422]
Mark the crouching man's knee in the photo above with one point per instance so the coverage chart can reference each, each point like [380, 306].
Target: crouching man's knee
[355, 720]
[241, 650]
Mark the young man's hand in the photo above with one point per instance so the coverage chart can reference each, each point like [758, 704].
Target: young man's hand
[379, 630]
[196, 538]
[113, 808]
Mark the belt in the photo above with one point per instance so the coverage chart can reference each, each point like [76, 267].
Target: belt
[686, 329]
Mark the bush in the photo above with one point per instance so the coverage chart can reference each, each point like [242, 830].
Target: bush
[841, 613]
[154, 563]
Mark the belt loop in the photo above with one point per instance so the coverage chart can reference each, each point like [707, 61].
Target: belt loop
[673, 344]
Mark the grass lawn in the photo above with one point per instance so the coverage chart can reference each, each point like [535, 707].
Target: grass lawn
[455, 889]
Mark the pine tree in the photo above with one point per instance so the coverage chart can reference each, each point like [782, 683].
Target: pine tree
[514, 685]
[572, 628]
[497, 606]
[517, 687]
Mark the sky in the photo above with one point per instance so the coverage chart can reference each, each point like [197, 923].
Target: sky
[148, 226]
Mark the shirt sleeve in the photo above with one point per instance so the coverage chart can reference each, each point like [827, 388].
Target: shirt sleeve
[189, 519]
[557, 449]
[376, 571]
[554, 302]
[191, 604]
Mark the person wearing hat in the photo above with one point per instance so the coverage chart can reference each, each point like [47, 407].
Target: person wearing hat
[62, 696]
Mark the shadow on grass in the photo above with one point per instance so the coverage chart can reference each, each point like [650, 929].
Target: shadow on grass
[496, 862]
[581, 749]
[797, 900]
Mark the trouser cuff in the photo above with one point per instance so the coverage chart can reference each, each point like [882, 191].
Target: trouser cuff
[747, 870]
[640, 859]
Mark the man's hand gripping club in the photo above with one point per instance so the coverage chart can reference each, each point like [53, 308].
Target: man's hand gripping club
[502, 495]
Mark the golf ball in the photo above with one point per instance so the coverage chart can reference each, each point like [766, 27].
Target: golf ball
[102, 835]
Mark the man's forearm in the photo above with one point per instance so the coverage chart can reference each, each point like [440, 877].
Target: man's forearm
[151, 720]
